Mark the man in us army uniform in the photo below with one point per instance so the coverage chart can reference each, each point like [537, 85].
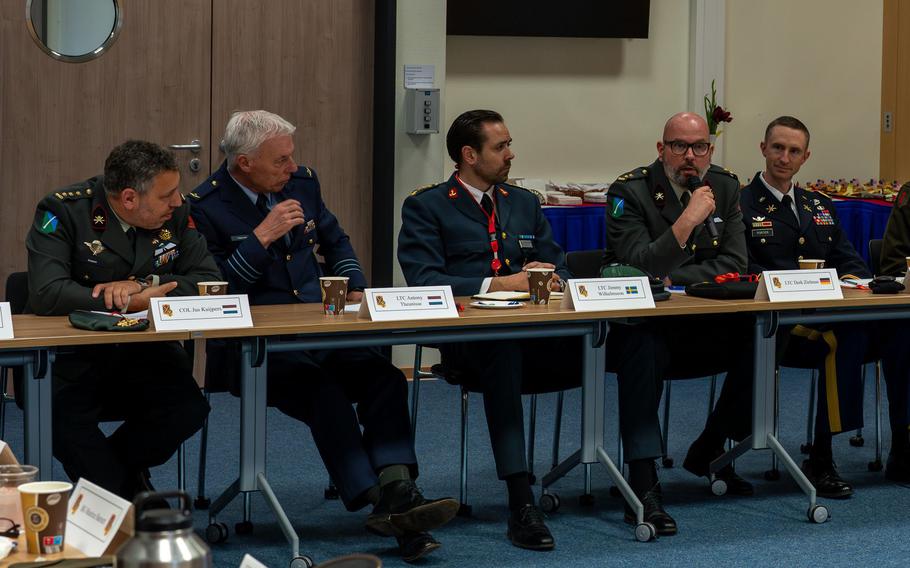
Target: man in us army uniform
[111, 243]
[657, 224]
[478, 234]
[264, 217]
[784, 225]
[896, 241]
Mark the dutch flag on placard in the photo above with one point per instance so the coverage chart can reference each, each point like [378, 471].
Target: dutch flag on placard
[229, 309]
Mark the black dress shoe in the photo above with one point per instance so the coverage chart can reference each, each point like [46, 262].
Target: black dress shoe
[416, 545]
[823, 475]
[654, 513]
[527, 529]
[898, 467]
[698, 461]
[402, 509]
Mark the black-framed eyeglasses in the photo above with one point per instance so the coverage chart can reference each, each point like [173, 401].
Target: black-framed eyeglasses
[9, 528]
[679, 148]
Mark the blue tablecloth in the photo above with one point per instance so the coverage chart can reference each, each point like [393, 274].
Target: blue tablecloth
[584, 228]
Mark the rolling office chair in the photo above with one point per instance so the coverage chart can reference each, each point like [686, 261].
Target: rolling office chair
[17, 296]
[857, 440]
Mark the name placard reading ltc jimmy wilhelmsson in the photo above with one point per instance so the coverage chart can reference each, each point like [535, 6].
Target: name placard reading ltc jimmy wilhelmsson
[419, 302]
[192, 313]
[97, 521]
[599, 294]
[799, 285]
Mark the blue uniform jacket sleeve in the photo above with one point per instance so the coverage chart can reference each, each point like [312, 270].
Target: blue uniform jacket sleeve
[421, 252]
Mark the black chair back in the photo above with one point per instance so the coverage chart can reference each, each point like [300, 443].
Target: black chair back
[875, 256]
[17, 291]
[585, 263]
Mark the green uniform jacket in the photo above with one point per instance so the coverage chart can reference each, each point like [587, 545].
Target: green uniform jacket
[76, 242]
[896, 245]
[642, 207]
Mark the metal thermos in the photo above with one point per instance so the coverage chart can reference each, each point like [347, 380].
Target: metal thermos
[164, 537]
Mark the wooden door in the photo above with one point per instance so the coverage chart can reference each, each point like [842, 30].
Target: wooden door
[58, 120]
[312, 63]
[895, 145]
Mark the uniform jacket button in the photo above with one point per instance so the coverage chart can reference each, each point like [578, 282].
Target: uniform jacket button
[288, 258]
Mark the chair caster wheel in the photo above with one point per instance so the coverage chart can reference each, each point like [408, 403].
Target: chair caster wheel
[464, 510]
[586, 500]
[817, 514]
[549, 502]
[645, 532]
[202, 503]
[719, 487]
[805, 448]
[330, 493]
[243, 527]
[772, 475]
[667, 462]
[875, 465]
[857, 441]
[614, 492]
[216, 533]
[301, 562]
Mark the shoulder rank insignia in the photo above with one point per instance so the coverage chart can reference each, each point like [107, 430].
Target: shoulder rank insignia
[423, 188]
[453, 193]
[193, 194]
[214, 183]
[308, 172]
[95, 246]
[503, 192]
[99, 218]
[164, 234]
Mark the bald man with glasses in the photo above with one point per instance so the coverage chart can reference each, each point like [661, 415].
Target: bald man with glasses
[657, 221]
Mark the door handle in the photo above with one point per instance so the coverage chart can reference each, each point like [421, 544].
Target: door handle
[195, 146]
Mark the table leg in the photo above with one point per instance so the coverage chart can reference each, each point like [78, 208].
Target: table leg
[38, 417]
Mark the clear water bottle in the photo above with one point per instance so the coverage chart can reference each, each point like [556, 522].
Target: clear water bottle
[164, 537]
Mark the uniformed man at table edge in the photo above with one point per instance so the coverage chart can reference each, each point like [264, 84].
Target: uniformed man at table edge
[479, 234]
[264, 217]
[896, 241]
[655, 223]
[111, 243]
[785, 224]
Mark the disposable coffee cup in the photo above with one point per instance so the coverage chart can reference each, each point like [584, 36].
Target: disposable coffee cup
[44, 514]
[212, 288]
[539, 284]
[811, 264]
[907, 260]
[334, 293]
[11, 477]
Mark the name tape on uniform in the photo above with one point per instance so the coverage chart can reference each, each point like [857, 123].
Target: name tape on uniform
[604, 294]
[419, 302]
[192, 313]
[6, 321]
[799, 285]
[94, 519]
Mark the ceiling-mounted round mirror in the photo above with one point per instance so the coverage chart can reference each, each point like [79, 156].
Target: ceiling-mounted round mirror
[73, 30]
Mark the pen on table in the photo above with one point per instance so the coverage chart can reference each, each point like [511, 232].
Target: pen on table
[856, 283]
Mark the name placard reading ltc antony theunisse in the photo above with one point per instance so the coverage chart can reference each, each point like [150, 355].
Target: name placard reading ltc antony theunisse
[229, 311]
[419, 302]
[798, 285]
[599, 294]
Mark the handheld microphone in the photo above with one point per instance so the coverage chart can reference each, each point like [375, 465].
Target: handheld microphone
[693, 183]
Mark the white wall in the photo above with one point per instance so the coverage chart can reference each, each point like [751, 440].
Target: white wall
[577, 109]
[818, 60]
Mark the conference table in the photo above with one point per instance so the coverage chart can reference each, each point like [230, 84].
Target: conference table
[303, 326]
[584, 227]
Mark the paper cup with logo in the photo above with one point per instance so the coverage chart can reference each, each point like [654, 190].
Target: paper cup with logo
[212, 288]
[539, 284]
[334, 294]
[44, 512]
[811, 264]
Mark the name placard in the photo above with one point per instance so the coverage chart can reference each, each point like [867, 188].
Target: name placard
[797, 285]
[250, 562]
[419, 302]
[597, 294]
[94, 519]
[6, 321]
[229, 311]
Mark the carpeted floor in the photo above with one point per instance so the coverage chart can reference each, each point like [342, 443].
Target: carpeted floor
[768, 529]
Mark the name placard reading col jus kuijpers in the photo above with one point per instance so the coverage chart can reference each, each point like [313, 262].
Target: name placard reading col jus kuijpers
[798, 285]
[604, 294]
[419, 302]
[192, 313]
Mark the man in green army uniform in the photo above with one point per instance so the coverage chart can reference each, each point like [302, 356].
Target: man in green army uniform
[896, 245]
[111, 243]
[657, 221]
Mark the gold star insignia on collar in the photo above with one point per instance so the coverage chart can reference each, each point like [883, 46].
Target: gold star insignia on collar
[772, 208]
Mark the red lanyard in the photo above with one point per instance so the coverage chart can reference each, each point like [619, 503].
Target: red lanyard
[495, 264]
